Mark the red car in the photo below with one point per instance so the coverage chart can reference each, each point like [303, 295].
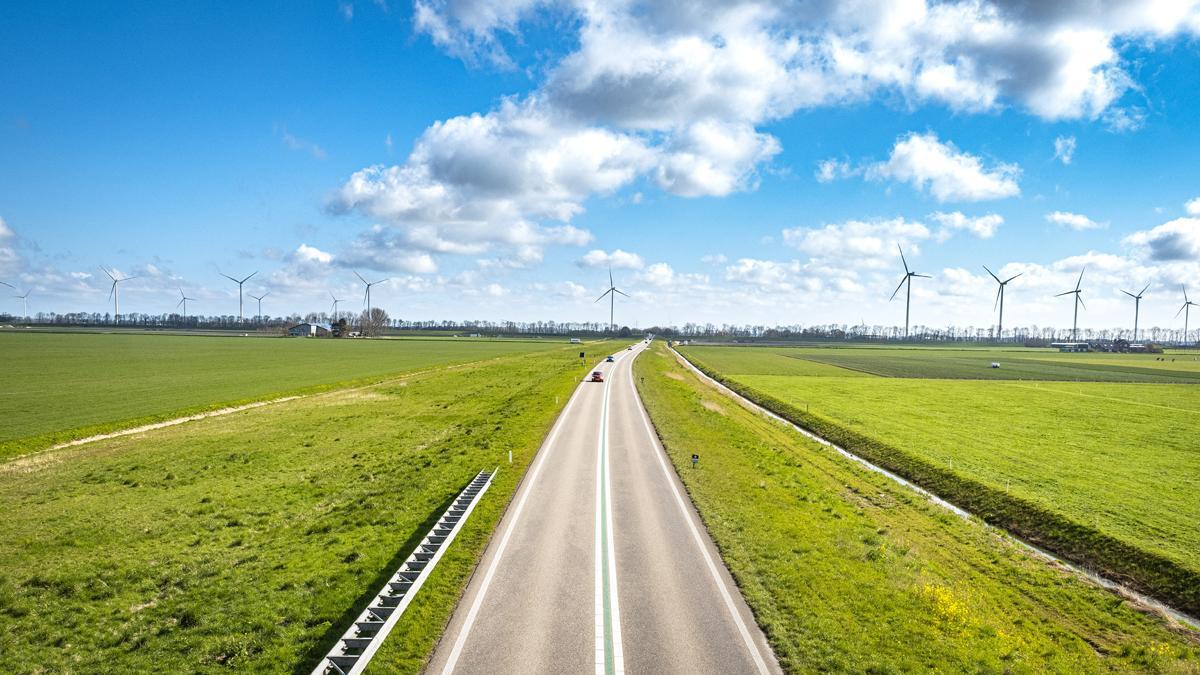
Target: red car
[597, 376]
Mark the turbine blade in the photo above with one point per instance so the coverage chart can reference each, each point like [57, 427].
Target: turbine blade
[381, 281]
[110, 274]
[997, 302]
[1129, 294]
[923, 276]
[902, 260]
[1144, 290]
[1185, 299]
[1013, 277]
[622, 293]
[360, 278]
[9, 285]
[229, 277]
[112, 289]
[1080, 299]
[993, 275]
[1059, 295]
[1080, 278]
[248, 278]
[898, 288]
[610, 281]
[603, 294]
[1185, 305]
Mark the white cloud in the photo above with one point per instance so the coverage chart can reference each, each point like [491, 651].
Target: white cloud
[295, 143]
[618, 259]
[714, 259]
[1064, 149]
[308, 253]
[765, 275]
[862, 243]
[1074, 221]
[829, 170]
[983, 227]
[1193, 207]
[946, 172]
[663, 277]
[8, 250]
[1177, 240]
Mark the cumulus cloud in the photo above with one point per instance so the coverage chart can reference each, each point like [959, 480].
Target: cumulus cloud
[678, 94]
[863, 243]
[1177, 240]
[8, 250]
[944, 171]
[983, 227]
[307, 253]
[829, 170]
[618, 259]
[766, 275]
[1193, 207]
[1064, 149]
[1074, 221]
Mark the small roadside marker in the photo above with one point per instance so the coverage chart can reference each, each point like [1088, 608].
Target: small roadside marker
[695, 460]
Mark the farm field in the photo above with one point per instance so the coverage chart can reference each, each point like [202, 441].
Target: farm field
[848, 571]
[63, 386]
[249, 541]
[1118, 459]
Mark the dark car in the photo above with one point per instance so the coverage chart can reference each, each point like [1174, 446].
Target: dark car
[609, 360]
[597, 376]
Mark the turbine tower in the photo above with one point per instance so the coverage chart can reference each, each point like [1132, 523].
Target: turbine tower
[183, 301]
[115, 292]
[612, 298]
[1078, 301]
[25, 300]
[239, 282]
[367, 294]
[908, 277]
[259, 299]
[1000, 299]
[1186, 311]
[1137, 304]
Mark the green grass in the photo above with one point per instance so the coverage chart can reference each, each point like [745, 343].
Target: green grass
[1106, 474]
[847, 571]
[63, 386]
[250, 541]
[970, 364]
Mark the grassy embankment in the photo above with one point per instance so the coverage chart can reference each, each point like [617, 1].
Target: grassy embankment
[250, 541]
[1103, 473]
[848, 571]
[58, 387]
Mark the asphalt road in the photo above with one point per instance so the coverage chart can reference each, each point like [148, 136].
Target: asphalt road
[600, 563]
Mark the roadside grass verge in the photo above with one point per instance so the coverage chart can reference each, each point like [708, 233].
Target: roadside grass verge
[249, 541]
[1026, 513]
[846, 570]
[62, 387]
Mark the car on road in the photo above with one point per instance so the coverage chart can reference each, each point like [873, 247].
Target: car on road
[597, 376]
[609, 360]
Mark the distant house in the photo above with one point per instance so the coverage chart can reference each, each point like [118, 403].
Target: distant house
[576, 341]
[310, 330]
[1072, 346]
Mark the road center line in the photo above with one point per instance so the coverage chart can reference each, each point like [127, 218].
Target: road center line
[610, 659]
[751, 645]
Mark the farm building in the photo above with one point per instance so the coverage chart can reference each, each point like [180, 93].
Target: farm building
[310, 330]
[1072, 346]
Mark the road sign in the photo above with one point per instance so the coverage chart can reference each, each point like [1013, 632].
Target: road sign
[695, 460]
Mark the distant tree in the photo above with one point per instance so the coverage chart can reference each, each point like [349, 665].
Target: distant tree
[374, 322]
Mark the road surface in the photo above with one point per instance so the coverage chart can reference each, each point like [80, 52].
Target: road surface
[600, 563]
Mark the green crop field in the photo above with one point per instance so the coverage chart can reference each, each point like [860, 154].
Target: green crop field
[249, 541]
[63, 386]
[847, 571]
[1104, 472]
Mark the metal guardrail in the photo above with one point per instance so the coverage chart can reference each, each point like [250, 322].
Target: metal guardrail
[359, 643]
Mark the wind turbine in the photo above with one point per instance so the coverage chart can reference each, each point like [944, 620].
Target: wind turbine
[1137, 303]
[367, 294]
[1078, 301]
[24, 299]
[1186, 311]
[239, 283]
[908, 276]
[115, 293]
[336, 300]
[183, 301]
[259, 299]
[612, 298]
[1000, 298]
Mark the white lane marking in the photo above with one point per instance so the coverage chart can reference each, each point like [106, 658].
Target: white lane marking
[605, 549]
[615, 605]
[712, 566]
[456, 651]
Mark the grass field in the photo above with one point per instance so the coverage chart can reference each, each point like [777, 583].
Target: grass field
[1119, 460]
[250, 541]
[848, 571]
[63, 386]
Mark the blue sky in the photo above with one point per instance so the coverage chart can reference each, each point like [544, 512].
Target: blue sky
[519, 144]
